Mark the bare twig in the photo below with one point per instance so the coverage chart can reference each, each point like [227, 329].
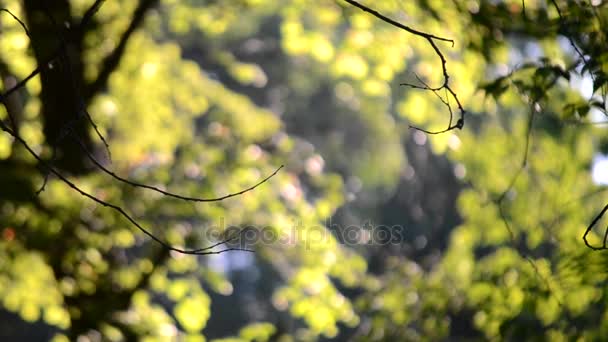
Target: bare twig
[591, 225]
[460, 123]
[580, 54]
[170, 194]
[396, 23]
[445, 101]
[499, 201]
[120, 210]
[430, 38]
[23, 82]
[27, 32]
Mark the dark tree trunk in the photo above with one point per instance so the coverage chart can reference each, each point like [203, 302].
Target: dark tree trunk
[62, 106]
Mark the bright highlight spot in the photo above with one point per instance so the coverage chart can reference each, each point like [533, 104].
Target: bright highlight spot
[599, 170]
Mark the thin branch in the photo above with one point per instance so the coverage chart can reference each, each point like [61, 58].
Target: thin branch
[120, 210]
[445, 101]
[22, 83]
[398, 24]
[529, 259]
[27, 32]
[499, 201]
[528, 135]
[88, 15]
[13, 106]
[562, 207]
[170, 194]
[460, 123]
[227, 240]
[44, 182]
[4, 97]
[431, 40]
[96, 129]
[574, 46]
[591, 225]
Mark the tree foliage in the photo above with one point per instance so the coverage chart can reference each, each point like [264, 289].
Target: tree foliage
[202, 99]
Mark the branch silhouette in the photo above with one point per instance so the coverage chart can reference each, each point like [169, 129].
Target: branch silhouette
[430, 38]
[109, 64]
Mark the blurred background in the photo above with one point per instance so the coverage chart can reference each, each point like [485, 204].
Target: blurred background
[372, 231]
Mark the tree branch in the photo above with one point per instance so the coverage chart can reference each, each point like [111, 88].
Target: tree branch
[118, 209]
[111, 62]
[171, 194]
[431, 40]
[396, 23]
[88, 15]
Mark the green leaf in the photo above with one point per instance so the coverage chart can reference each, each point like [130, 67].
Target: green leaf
[192, 313]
